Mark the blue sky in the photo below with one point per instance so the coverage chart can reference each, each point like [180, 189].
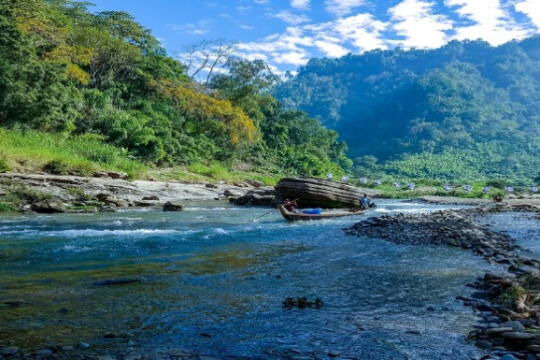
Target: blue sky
[287, 33]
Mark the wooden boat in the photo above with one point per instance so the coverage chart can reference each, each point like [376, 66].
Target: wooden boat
[291, 216]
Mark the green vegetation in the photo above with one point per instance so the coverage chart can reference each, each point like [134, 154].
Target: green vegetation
[464, 112]
[78, 154]
[16, 195]
[81, 92]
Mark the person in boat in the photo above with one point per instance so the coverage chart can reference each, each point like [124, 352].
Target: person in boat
[291, 205]
[364, 202]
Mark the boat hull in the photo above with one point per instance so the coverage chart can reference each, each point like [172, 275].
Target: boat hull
[291, 216]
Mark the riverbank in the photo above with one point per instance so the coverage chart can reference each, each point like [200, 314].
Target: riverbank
[454, 200]
[79, 193]
[507, 302]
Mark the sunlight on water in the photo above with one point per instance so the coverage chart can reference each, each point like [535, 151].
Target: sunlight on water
[215, 269]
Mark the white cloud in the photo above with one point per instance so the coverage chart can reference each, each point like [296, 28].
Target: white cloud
[299, 57]
[415, 21]
[201, 28]
[331, 49]
[491, 22]
[246, 27]
[290, 18]
[531, 8]
[342, 7]
[363, 31]
[300, 4]
[336, 38]
[260, 2]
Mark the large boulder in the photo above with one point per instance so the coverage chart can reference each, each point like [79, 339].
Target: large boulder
[172, 206]
[256, 197]
[48, 207]
[111, 200]
[321, 193]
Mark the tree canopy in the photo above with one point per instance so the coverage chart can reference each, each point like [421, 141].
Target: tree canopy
[66, 70]
[467, 110]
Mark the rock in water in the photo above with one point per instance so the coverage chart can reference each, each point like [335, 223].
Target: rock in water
[48, 207]
[9, 351]
[256, 197]
[321, 193]
[112, 282]
[172, 206]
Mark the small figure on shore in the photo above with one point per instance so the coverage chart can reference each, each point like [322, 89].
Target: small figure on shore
[291, 205]
[364, 202]
[497, 198]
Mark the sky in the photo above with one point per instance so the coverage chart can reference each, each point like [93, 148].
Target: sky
[287, 33]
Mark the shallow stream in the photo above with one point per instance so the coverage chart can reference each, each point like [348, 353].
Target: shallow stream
[212, 281]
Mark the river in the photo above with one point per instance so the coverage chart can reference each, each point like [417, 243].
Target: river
[212, 281]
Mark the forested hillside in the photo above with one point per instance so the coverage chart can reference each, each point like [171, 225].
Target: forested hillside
[104, 78]
[464, 111]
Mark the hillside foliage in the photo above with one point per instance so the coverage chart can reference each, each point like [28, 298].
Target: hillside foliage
[465, 111]
[68, 71]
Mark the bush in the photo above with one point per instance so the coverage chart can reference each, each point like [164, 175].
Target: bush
[56, 167]
[6, 207]
[21, 195]
[78, 194]
[4, 166]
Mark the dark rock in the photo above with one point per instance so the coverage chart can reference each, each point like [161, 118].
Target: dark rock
[153, 197]
[256, 197]
[321, 193]
[146, 203]
[101, 174]
[111, 200]
[499, 330]
[519, 336]
[172, 206]
[229, 193]
[111, 282]
[483, 344]
[14, 303]
[44, 352]
[255, 183]
[9, 351]
[205, 335]
[516, 325]
[117, 175]
[49, 207]
[107, 208]
[211, 186]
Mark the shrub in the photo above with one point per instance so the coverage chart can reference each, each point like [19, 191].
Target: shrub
[57, 167]
[4, 166]
[6, 207]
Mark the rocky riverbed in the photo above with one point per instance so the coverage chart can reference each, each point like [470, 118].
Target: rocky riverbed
[507, 303]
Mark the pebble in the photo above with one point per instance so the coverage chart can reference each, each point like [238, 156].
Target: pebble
[84, 345]
[44, 352]
[9, 351]
[498, 330]
[133, 356]
[521, 336]
[516, 325]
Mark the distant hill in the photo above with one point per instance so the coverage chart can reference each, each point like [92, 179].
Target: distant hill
[465, 111]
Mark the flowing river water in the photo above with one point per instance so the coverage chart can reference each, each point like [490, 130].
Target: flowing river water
[212, 281]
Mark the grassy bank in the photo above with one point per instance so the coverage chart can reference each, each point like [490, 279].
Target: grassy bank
[32, 152]
[29, 151]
